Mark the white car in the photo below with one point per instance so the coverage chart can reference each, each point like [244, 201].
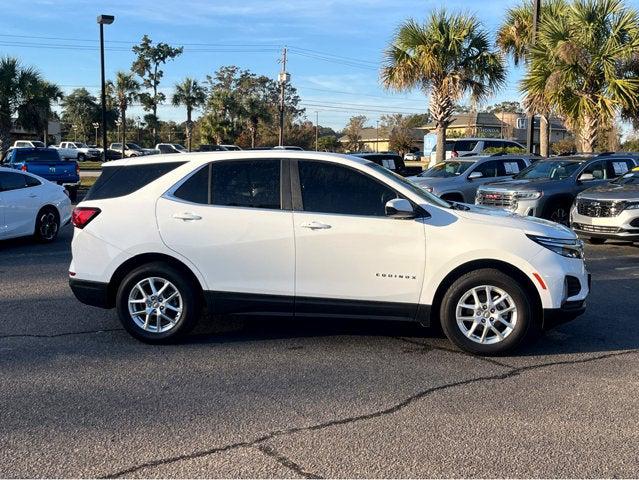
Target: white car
[78, 151]
[314, 235]
[31, 205]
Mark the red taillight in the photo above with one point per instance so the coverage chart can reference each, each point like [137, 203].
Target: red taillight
[454, 153]
[24, 168]
[83, 215]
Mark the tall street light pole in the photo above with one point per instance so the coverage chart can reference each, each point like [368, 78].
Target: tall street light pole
[102, 21]
[316, 131]
[530, 133]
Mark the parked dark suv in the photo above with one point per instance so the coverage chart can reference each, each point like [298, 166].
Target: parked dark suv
[548, 188]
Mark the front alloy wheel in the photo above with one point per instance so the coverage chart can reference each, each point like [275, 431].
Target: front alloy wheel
[486, 314]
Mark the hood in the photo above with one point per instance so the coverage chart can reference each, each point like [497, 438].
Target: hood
[504, 219]
[523, 184]
[612, 191]
[434, 181]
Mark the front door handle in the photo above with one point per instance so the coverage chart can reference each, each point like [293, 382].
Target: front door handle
[315, 225]
[187, 216]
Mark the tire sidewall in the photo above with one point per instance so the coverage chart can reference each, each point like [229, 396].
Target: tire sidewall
[190, 302]
[526, 324]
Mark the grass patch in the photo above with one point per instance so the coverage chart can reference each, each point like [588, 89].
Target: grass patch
[87, 182]
[90, 165]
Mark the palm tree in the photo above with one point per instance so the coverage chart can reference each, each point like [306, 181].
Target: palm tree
[17, 85]
[577, 64]
[448, 56]
[190, 94]
[126, 90]
[36, 110]
[514, 38]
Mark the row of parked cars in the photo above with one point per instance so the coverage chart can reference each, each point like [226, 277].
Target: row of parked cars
[597, 195]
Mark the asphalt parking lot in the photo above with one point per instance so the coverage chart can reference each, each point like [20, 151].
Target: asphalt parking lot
[264, 398]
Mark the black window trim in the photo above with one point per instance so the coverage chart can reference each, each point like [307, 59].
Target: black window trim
[298, 204]
[285, 185]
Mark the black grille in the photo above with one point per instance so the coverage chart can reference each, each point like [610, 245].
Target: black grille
[573, 286]
[599, 208]
[635, 222]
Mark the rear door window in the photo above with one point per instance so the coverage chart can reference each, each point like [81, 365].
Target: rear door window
[619, 166]
[118, 181]
[246, 183]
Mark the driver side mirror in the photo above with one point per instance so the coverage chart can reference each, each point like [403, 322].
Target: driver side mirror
[399, 208]
[585, 177]
[475, 175]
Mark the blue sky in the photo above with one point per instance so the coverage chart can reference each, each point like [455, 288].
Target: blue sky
[335, 45]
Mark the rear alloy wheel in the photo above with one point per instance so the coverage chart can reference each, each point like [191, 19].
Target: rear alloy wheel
[487, 312]
[47, 225]
[81, 157]
[156, 303]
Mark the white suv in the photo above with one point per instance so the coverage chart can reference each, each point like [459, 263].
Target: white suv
[314, 235]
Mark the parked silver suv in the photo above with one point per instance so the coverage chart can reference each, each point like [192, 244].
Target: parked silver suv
[457, 180]
[609, 212]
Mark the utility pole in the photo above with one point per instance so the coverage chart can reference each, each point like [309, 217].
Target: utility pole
[530, 133]
[377, 136]
[102, 21]
[316, 131]
[284, 77]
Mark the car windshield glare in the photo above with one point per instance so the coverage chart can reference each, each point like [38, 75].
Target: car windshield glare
[427, 196]
[550, 170]
[446, 169]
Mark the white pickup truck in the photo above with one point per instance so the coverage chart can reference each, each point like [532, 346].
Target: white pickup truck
[28, 144]
[77, 151]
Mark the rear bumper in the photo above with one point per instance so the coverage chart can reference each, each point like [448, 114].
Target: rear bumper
[95, 294]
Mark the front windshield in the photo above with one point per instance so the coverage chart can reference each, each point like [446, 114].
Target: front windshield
[81, 145]
[133, 146]
[177, 146]
[549, 170]
[38, 144]
[427, 196]
[446, 169]
[628, 179]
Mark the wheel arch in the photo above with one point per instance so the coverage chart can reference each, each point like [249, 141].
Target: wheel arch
[504, 267]
[454, 196]
[143, 259]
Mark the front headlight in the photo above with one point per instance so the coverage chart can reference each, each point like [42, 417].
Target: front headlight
[572, 248]
[527, 195]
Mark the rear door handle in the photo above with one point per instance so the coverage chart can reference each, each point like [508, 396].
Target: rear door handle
[315, 225]
[33, 195]
[187, 216]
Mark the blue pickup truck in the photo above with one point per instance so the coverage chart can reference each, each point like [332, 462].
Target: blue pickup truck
[46, 163]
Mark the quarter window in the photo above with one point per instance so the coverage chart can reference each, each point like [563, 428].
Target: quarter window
[246, 183]
[196, 188]
[331, 188]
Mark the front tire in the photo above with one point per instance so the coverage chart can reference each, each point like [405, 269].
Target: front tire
[81, 157]
[559, 212]
[47, 225]
[487, 312]
[157, 303]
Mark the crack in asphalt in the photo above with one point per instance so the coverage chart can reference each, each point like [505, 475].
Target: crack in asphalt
[359, 418]
[286, 462]
[55, 335]
[429, 346]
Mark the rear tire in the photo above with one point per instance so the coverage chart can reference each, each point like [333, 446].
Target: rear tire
[81, 157]
[47, 225]
[483, 329]
[596, 241]
[157, 303]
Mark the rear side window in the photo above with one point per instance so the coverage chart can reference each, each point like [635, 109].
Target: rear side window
[246, 183]
[28, 155]
[618, 167]
[12, 181]
[124, 180]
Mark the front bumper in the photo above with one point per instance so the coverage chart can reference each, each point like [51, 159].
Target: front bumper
[95, 294]
[624, 226]
[566, 313]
